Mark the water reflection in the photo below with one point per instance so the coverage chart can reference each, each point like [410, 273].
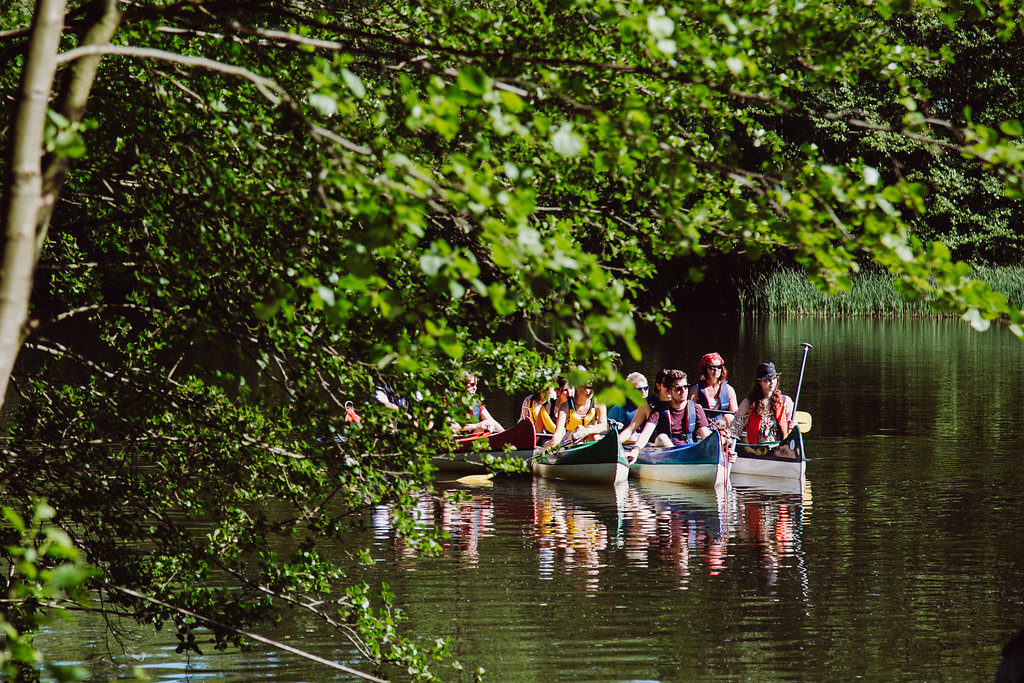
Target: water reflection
[587, 532]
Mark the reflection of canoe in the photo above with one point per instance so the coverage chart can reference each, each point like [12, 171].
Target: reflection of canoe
[776, 459]
[698, 498]
[698, 463]
[520, 437]
[597, 462]
[793, 486]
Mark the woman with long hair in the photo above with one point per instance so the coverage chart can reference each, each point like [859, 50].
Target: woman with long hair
[765, 413]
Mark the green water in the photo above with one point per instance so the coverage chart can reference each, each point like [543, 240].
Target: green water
[900, 557]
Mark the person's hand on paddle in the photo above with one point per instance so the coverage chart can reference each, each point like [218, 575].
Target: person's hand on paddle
[728, 443]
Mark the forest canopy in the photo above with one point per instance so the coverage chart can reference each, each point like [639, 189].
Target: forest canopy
[225, 220]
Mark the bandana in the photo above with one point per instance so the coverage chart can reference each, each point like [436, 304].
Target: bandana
[710, 359]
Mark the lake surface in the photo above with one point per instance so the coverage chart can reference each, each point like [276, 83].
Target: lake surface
[900, 558]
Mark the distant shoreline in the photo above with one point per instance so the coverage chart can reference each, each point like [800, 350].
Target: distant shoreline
[872, 294]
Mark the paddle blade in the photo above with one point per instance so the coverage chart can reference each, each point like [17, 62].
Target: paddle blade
[476, 480]
[803, 421]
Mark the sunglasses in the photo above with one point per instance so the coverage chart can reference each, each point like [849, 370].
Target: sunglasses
[681, 387]
[642, 389]
[715, 367]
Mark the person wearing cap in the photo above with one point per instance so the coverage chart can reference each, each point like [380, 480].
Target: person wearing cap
[763, 414]
[712, 391]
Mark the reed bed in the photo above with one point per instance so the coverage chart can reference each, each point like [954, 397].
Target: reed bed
[872, 294]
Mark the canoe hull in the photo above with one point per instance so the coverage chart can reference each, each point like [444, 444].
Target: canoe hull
[463, 458]
[599, 462]
[783, 459]
[698, 464]
[593, 473]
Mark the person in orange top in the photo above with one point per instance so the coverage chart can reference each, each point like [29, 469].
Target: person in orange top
[764, 415]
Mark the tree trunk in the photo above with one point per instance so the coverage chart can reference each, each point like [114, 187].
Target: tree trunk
[24, 184]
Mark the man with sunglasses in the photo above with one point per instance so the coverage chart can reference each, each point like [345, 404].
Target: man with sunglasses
[681, 421]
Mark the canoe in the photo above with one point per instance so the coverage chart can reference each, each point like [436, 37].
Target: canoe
[773, 459]
[596, 462]
[700, 464]
[520, 436]
[470, 452]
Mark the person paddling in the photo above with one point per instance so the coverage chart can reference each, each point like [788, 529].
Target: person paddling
[681, 421]
[763, 415]
[712, 391]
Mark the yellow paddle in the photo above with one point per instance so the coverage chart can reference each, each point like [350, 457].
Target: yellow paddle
[803, 421]
[476, 480]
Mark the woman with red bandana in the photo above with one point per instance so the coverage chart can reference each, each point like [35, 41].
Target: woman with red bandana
[712, 392]
[764, 414]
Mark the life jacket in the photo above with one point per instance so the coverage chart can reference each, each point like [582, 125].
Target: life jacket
[754, 423]
[540, 415]
[576, 420]
[722, 401]
[689, 419]
[623, 413]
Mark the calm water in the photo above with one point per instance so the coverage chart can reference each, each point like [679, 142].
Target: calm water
[900, 558]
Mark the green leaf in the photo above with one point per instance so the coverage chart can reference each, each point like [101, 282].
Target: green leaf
[354, 83]
[566, 142]
[473, 80]
[1012, 128]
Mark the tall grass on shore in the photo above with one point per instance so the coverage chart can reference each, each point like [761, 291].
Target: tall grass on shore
[872, 294]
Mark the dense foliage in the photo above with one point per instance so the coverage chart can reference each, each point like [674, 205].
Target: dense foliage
[271, 207]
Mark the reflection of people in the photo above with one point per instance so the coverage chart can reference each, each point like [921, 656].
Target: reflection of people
[764, 414]
[624, 414]
[712, 391]
[681, 421]
[580, 419]
[479, 419]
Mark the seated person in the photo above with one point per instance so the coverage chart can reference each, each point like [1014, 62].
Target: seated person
[479, 419]
[624, 414]
[679, 422]
[712, 390]
[764, 414]
[534, 408]
[656, 402]
[580, 419]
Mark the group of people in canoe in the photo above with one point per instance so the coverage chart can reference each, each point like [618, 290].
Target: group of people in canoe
[674, 413]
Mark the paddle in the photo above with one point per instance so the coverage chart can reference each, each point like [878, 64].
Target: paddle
[476, 480]
[800, 417]
[799, 382]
